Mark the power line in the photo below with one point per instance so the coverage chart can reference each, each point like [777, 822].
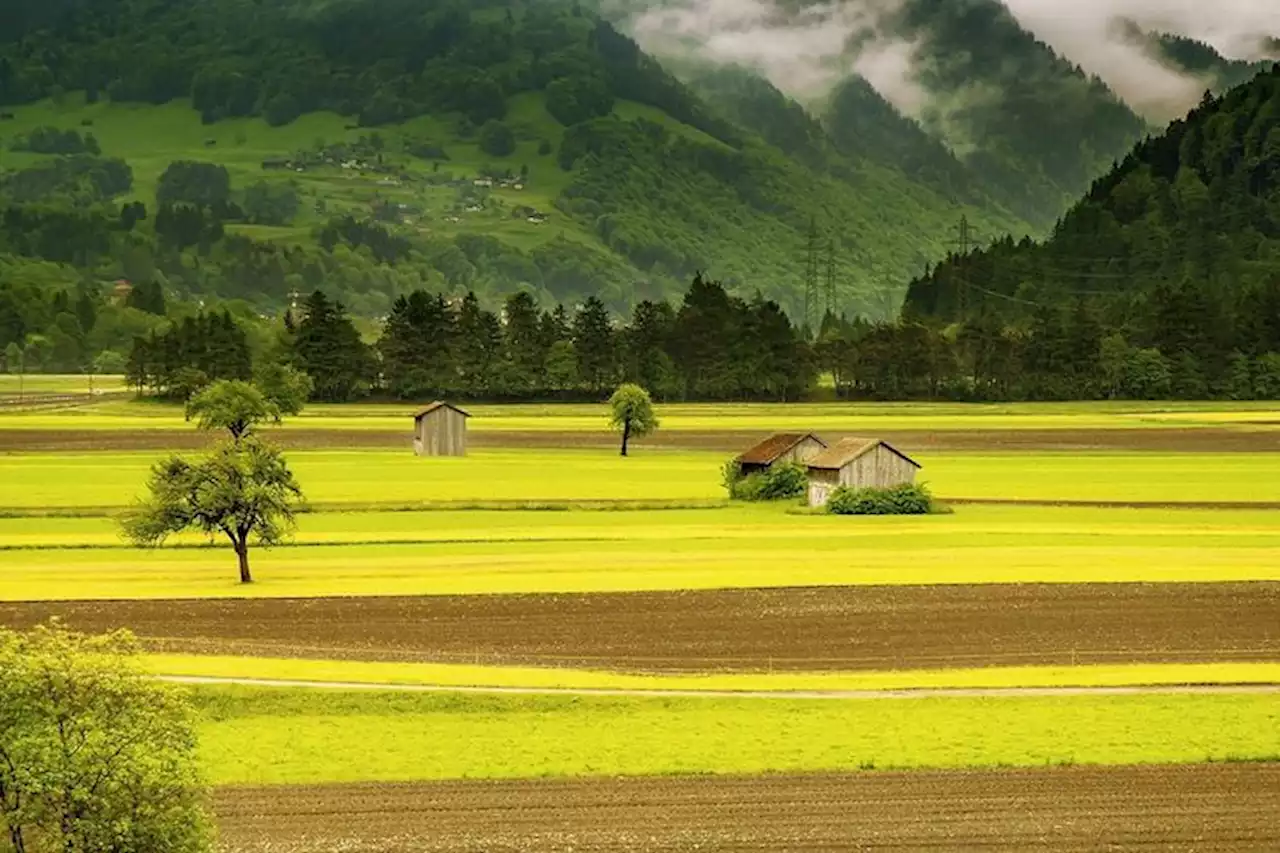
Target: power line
[831, 279]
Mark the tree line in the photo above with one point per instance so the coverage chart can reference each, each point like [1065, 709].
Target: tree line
[713, 346]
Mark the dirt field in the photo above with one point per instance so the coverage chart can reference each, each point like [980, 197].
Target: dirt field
[852, 628]
[1197, 807]
[1204, 440]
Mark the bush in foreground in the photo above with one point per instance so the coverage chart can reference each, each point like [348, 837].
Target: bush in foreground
[780, 482]
[95, 757]
[907, 499]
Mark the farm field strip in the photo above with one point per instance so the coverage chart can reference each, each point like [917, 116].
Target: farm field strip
[701, 416]
[623, 566]
[1049, 809]
[731, 630]
[368, 478]
[436, 675]
[968, 526]
[282, 736]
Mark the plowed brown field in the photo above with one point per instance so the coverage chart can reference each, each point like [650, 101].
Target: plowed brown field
[1197, 807]
[847, 628]
[1171, 439]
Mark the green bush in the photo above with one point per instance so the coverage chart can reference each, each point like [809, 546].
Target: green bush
[906, 499]
[780, 482]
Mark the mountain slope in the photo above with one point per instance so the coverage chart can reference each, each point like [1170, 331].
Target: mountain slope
[1179, 244]
[375, 146]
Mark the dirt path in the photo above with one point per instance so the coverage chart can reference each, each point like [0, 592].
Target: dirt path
[1205, 808]
[813, 629]
[1156, 439]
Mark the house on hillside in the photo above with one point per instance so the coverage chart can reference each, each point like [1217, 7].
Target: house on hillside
[783, 447]
[858, 463]
[440, 430]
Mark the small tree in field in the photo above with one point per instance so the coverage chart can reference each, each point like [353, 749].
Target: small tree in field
[243, 490]
[95, 757]
[231, 405]
[632, 413]
[238, 407]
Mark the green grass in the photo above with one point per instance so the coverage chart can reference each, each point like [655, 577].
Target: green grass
[49, 383]
[356, 479]
[296, 737]
[462, 675]
[819, 417]
[150, 137]
[507, 552]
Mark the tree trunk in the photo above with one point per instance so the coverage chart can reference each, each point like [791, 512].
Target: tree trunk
[242, 551]
[626, 434]
[15, 838]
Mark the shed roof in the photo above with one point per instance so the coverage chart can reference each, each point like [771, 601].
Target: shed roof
[769, 450]
[847, 450]
[439, 404]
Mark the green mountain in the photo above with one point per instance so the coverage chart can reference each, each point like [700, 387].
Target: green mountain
[372, 147]
[1177, 248]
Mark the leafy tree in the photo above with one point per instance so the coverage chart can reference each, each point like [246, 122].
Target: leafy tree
[243, 490]
[232, 405]
[95, 756]
[497, 139]
[194, 183]
[271, 203]
[283, 387]
[631, 413]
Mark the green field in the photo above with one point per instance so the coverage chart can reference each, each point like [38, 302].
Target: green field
[509, 552]
[283, 736]
[54, 383]
[838, 417]
[387, 479]
[517, 520]
[563, 678]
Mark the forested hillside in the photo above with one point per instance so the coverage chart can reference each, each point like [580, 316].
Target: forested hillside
[237, 150]
[1172, 261]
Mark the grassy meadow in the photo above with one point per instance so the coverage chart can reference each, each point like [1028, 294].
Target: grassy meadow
[442, 553]
[388, 479]
[294, 737]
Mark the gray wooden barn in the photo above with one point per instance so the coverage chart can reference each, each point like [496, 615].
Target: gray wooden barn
[780, 448]
[440, 430]
[858, 463]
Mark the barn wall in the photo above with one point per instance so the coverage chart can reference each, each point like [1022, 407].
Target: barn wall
[803, 452]
[878, 469]
[442, 433]
[822, 482]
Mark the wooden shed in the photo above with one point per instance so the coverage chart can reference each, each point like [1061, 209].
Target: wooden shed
[783, 447]
[440, 430]
[858, 463]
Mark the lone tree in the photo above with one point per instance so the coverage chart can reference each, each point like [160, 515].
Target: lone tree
[244, 489]
[238, 406]
[632, 413]
[95, 757]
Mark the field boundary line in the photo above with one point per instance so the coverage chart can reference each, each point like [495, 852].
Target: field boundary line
[839, 695]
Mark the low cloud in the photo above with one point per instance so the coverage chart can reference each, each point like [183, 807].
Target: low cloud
[807, 53]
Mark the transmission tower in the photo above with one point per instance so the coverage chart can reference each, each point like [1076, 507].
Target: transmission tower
[964, 244]
[811, 292]
[830, 288]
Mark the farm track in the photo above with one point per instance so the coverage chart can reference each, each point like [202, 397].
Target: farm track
[1211, 807]
[797, 629]
[1153, 439]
